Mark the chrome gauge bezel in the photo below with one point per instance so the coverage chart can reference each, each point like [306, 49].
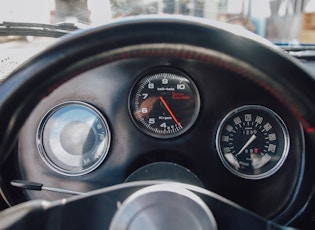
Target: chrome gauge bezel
[102, 150]
[284, 153]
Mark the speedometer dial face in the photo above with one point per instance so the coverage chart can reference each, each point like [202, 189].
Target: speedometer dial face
[164, 103]
[252, 142]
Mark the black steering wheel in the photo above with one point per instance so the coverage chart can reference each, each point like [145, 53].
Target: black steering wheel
[185, 38]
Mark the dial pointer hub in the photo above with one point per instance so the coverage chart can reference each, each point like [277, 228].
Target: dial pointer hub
[251, 139]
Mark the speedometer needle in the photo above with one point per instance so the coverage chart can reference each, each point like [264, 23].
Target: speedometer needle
[169, 111]
[251, 139]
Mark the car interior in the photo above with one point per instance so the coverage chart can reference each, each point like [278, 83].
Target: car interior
[159, 122]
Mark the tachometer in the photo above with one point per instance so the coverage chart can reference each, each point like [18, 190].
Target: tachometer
[164, 103]
[252, 142]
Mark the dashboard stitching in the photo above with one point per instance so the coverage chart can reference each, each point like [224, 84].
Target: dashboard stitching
[184, 51]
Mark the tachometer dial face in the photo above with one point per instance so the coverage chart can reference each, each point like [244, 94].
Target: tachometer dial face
[252, 142]
[164, 104]
[73, 138]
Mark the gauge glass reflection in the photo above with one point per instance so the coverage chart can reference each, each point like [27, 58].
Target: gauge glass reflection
[73, 138]
[252, 142]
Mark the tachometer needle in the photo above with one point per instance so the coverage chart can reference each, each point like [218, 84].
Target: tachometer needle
[169, 111]
[251, 139]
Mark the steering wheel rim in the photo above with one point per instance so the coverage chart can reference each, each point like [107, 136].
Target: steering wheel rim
[290, 82]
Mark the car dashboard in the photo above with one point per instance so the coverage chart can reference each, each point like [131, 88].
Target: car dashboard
[166, 115]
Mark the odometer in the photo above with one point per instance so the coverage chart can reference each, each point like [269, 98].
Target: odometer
[252, 142]
[165, 103]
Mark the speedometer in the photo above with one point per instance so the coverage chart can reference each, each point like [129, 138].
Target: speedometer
[252, 142]
[164, 103]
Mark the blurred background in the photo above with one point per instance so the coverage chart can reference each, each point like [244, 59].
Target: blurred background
[278, 20]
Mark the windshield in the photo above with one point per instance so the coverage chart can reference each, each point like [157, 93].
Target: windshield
[26, 27]
[285, 21]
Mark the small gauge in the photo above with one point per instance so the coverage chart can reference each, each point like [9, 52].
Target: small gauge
[73, 138]
[164, 104]
[252, 142]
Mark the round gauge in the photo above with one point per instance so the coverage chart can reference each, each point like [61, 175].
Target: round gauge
[73, 138]
[252, 142]
[164, 104]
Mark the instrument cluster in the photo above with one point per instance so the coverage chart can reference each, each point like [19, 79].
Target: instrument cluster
[74, 138]
[100, 127]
